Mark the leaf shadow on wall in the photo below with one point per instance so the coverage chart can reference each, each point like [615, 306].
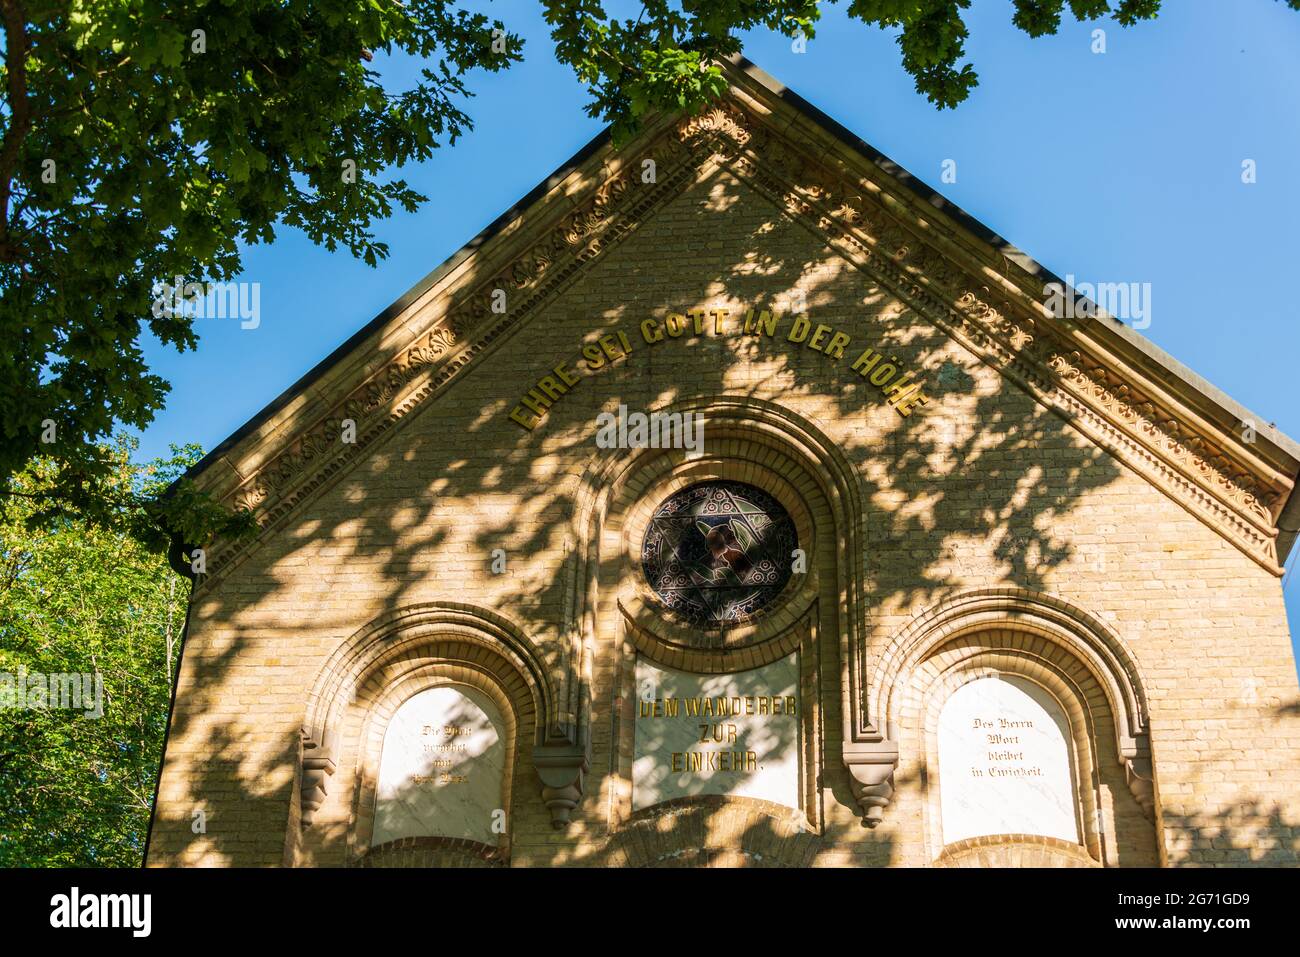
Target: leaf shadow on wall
[1249, 831]
[976, 489]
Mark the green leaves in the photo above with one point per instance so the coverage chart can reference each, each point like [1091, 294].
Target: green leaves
[169, 152]
[80, 599]
[663, 60]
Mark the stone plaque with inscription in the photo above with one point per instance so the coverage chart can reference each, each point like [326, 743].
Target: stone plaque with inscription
[734, 734]
[1004, 762]
[440, 773]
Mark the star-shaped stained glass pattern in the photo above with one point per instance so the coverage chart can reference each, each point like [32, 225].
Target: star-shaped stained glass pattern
[717, 553]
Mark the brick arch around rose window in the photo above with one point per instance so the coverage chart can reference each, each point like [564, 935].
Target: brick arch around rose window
[1077, 660]
[822, 615]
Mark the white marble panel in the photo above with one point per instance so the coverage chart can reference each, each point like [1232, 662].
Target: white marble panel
[441, 770]
[1004, 762]
[735, 734]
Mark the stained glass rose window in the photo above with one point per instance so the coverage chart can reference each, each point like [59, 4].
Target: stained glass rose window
[717, 553]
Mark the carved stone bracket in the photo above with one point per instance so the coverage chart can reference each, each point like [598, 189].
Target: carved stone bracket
[562, 768]
[871, 767]
[317, 764]
[1138, 774]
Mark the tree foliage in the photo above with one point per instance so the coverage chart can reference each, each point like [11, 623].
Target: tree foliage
[79, 599]
[146, 140]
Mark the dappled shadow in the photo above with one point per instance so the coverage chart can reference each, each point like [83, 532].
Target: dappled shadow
[713, 831]
[976, 489]
[431, 781]
[1239, 831]
[431, 852]
[1253, 833]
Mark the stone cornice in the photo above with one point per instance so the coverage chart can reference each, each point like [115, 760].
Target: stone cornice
[452, 326]
[982, 299]
[1206, 469]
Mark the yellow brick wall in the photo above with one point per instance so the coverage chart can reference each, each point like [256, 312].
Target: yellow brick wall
[982, 487]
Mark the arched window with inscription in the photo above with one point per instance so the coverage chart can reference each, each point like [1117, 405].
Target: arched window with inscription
[1005, 762]
[717, 568]
[442, 768]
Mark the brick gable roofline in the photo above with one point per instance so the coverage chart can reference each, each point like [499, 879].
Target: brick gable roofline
[1274, 458]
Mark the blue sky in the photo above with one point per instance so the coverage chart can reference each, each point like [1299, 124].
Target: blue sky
[1122, 166]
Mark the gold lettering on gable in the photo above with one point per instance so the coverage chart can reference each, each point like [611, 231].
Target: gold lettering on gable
[900, 387]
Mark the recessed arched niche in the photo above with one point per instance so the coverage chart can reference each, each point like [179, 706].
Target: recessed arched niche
[442, 768]
[417, 734]
[1023, 725]
[718, 570]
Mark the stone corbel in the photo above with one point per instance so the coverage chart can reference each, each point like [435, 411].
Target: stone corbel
[562, 768]
[317, 764]
[871, 767]
[1138, 774]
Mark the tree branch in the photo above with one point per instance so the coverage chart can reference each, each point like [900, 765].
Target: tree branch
[20, 120]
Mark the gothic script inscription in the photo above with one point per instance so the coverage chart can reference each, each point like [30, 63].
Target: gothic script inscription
[1004, 762]
[440, 773]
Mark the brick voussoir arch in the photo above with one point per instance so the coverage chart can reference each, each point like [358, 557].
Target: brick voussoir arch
[451, 634]
[387, 637]
[431, 852]
[714, 831]
[1084, 637]
[1014, 850]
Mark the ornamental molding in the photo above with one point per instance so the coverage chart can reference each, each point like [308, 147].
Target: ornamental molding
[977, 621]
[860, 214]
[467, 329]
[1018, 338]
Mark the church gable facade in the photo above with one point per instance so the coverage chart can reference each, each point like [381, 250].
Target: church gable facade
[733, 501]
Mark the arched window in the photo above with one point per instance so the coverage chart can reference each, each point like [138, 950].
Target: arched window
[1011, 736]
[417, 731]
[1021, 725]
